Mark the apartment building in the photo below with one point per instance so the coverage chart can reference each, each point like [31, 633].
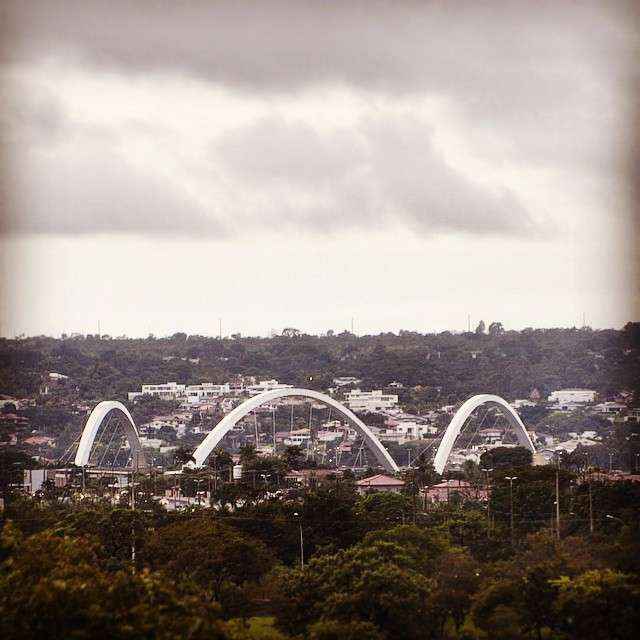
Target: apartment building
[206, 390]
[376, 400]
[166, 391]
[569, 398]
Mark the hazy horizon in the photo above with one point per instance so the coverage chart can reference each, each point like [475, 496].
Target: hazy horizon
[277, 332]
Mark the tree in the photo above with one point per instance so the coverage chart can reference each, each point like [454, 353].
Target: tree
[383, 580]
[506, 458]
[256, 628]
[382, 510]
[216, 557]
[183, 456]
[496, 329]
[599, 605]
[219, 459]
[458, 578]
[534, 496]
[293, 456]
[337, 630]
[12, 467]
[425, 472]
[480, 329]
[339, 529]
[518, 597]
[57, 587]
[114, 528]
[248, 455]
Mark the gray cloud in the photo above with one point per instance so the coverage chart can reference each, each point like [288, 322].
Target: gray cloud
[273, 150]
[557, 81]
[97, 192]
[383, 171]
[522, 57]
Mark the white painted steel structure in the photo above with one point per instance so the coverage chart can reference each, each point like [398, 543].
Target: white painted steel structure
[100, 413]
[229, 421]
[460, 417]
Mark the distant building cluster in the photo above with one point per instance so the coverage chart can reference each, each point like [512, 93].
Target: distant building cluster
[207, 390]
[329, 438]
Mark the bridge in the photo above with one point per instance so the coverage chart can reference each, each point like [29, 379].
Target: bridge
[100, 418]
[108, 410]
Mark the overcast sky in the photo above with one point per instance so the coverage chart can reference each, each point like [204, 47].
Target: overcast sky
[293, 163]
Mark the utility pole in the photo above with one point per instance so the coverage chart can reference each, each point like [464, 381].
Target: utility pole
[297, 516]
[255, 422]
[487, 472]
[273, 426]
[133, 508]
[590, 507]
[558, 501]
[511, 479]
[469, 323]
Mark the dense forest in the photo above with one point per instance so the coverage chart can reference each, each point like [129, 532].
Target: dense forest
[325, 563]
[447, 367]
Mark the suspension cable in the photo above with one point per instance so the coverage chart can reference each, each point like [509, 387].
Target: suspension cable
[109, 445]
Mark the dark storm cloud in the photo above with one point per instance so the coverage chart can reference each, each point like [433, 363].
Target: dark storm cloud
[557, 81]
[514, 54]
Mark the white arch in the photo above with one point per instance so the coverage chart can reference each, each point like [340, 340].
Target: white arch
[221, 429]
[94, 422]
[458, 420]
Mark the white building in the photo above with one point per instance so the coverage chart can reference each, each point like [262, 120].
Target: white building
[298, 438]
[570, 398]
[522, 402]
[58, 376]
[343, 381]
[491, 436]
[610, 407]
[330, 436]
[152, 443]
[266, 385]
[370, 400]
[166, 391]
[569, 446]
[206, 390]
[174, 391]
[416, 429]
[406, 432]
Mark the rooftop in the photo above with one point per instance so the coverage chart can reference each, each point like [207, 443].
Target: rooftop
[380, 480]
[448, 484]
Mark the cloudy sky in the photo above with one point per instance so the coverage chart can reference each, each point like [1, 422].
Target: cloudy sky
[287, 163]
